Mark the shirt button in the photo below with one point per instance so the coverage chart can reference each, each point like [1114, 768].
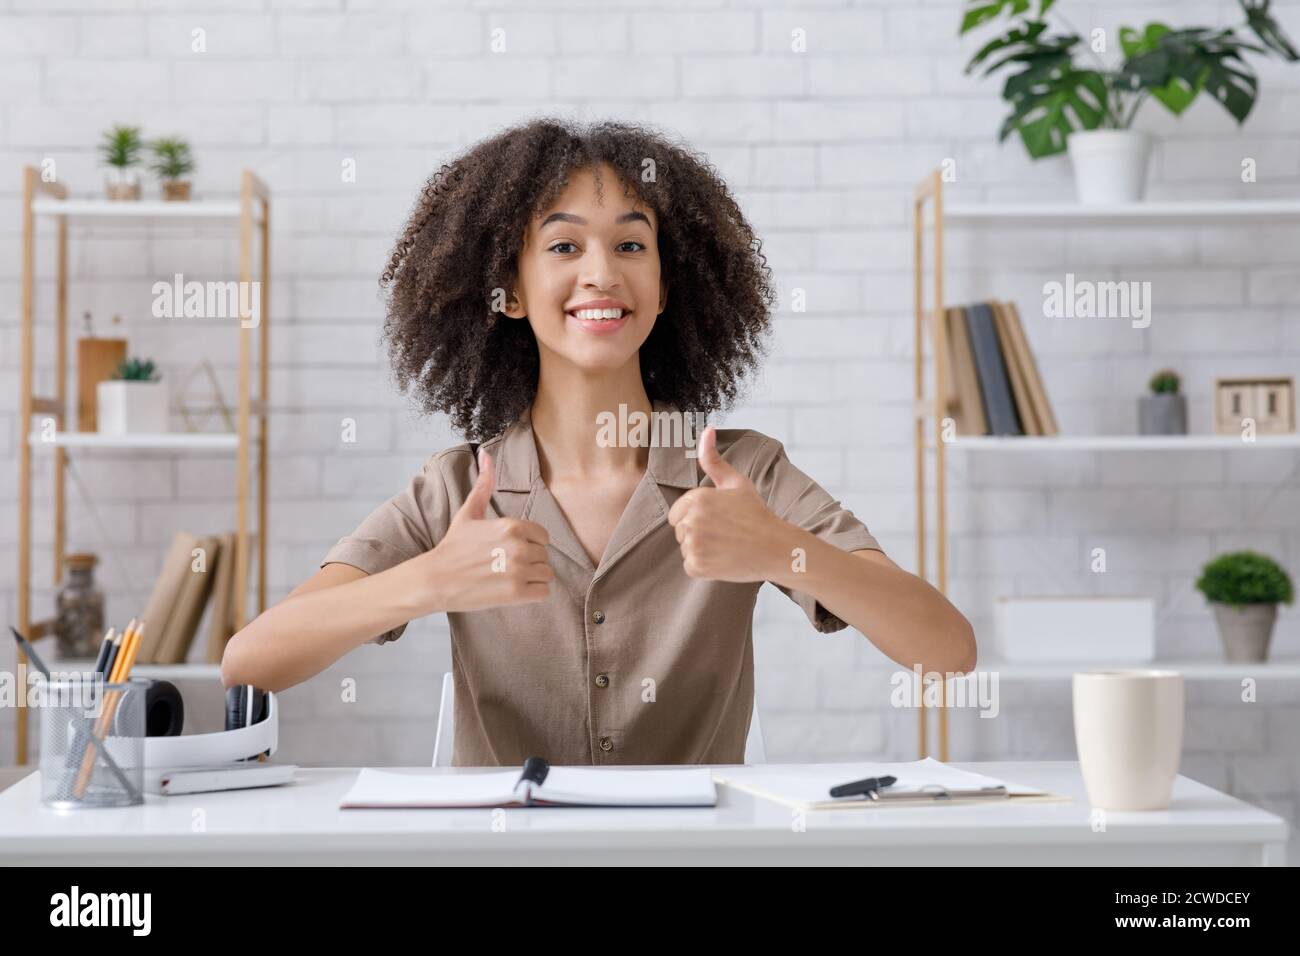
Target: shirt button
[598, 617]
[602, 680]
[606, 744]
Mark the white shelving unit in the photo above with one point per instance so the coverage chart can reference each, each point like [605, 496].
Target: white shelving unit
[196, 671]
[1054, 443]
[249, 217]
[1192, 670]
[174, 441]
[1162, 212]
[217, 210]
[929, 211]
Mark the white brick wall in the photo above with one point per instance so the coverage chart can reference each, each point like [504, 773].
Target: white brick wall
[822, 148]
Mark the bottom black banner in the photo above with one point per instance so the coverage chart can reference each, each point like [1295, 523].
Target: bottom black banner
[185, 905]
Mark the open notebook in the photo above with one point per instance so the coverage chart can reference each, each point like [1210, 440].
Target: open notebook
[538, 785]
[918, 783]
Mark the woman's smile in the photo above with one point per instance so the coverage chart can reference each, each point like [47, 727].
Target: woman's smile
[599, 316]
[600, 326]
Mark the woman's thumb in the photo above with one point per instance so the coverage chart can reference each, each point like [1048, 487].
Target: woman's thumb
[476, 502]
[714, 465]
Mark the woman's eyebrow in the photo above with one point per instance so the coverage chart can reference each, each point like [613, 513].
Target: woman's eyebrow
[569, 217]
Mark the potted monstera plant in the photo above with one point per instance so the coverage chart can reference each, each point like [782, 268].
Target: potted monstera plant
[1081, 96]
[1245, 588]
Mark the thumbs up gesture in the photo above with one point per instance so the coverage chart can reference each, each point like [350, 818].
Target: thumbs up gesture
[727, 532]
[485, 562]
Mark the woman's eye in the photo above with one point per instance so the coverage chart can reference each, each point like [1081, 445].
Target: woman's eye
[556, 248]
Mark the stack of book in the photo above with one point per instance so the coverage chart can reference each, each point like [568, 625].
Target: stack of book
[993, 383]
[195, 569]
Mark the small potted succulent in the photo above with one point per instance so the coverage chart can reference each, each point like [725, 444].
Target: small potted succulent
[133, 401]
[120, 151]
[173, 163]
[1164, 411]
[1245, 588]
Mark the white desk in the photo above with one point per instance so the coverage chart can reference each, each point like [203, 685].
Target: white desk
[302, 824]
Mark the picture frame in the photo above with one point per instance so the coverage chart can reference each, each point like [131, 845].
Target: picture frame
[1269, 401]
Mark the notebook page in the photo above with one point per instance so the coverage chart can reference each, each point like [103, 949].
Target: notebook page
[380, 788]
[685, 787]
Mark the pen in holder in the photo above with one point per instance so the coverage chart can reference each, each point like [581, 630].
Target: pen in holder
[92, 742]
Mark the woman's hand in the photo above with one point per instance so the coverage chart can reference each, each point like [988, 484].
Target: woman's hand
[727, 532]
[484, 562]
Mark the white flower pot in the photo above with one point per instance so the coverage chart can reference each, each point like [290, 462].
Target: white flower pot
[1110, 165]
[132, 408]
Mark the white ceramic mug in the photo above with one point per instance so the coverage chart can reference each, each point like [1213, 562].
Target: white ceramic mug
[1128, 728]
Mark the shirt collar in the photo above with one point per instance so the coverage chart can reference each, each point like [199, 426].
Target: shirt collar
[672, 462]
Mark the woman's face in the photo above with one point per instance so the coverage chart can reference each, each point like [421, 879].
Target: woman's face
[589, 280]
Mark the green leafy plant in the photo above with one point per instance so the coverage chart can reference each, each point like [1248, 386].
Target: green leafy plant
[1051, 94]
[1245, 577]
[1165, 382]
[172, 159]
[136, 370]
[120, 146]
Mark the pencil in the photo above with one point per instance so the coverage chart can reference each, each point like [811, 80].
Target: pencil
[121, 671]
[115, 664]
[105, 649]
[126, 656]
[30, 651]
[106, 652]
[115, 650]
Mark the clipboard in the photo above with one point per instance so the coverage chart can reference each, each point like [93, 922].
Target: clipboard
[807, 787]
[930, 793]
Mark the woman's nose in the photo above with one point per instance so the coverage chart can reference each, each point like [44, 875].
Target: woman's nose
[598, 269]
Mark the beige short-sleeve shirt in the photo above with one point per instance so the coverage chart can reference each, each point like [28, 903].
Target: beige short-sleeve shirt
[630, 662]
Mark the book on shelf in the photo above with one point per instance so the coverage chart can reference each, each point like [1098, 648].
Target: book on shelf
[994, 385]
[221, 625]
[167, 585]
[196, 572]
[990, 366]
[1027, 367]
[965, 403]
[1025, 410]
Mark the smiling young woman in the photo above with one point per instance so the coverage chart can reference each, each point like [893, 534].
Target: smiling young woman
[600, 597]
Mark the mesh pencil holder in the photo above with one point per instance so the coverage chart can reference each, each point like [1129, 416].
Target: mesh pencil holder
[92, 741]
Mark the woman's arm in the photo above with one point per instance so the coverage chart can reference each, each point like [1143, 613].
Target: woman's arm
[905, 616]
[728, 533]
[480, 562]
[335, 610]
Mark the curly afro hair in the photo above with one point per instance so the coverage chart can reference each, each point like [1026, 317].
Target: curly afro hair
[462, 242]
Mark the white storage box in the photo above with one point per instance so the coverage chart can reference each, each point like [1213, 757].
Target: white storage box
[1085, 628]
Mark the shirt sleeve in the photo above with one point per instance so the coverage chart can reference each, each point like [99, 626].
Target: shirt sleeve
[796, 498]
[396, 531]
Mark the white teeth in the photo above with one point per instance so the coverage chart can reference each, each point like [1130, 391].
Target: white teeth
[595, 315]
